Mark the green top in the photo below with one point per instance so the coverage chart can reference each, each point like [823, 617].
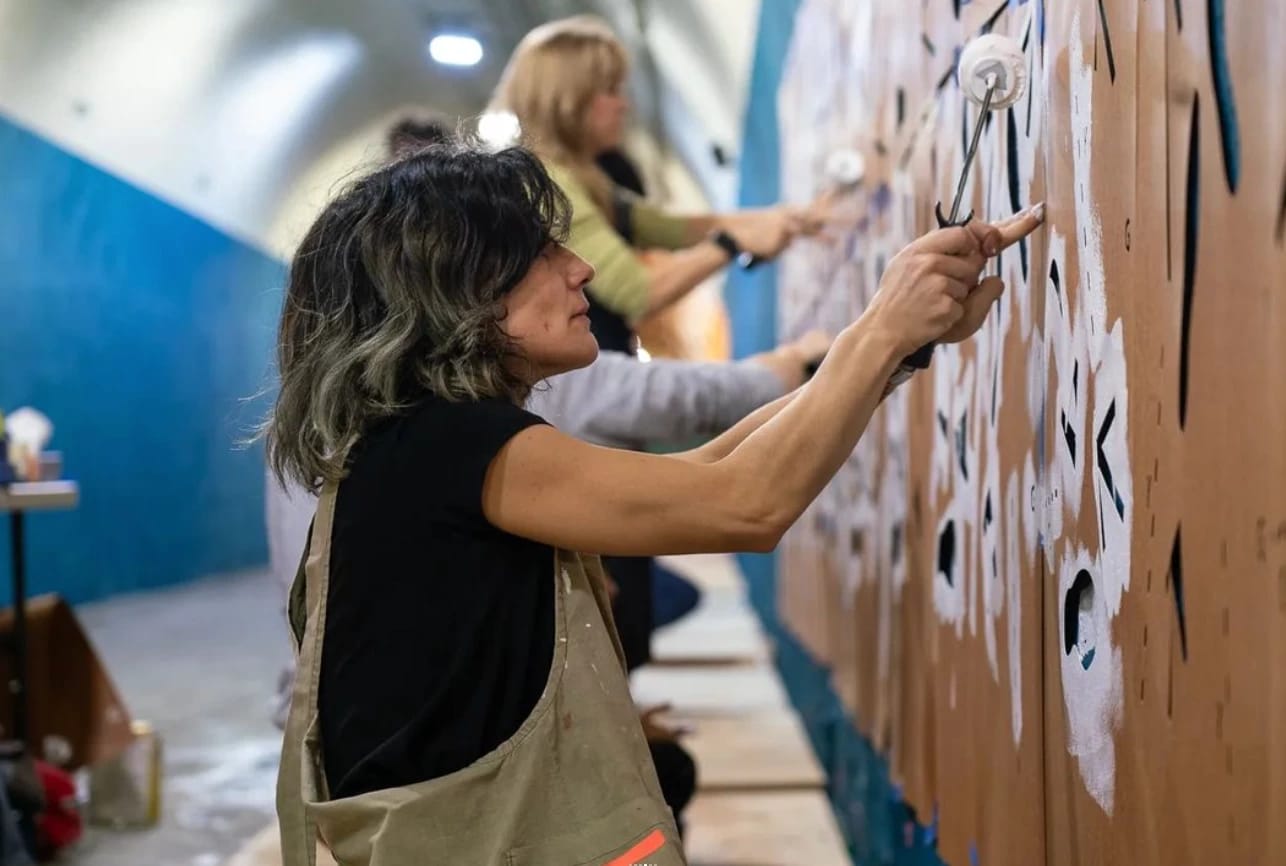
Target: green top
[621, 281]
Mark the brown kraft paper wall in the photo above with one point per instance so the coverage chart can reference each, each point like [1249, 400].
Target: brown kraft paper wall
[1051, 582]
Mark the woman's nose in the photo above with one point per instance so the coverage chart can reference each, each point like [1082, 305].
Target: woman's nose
[579, 271]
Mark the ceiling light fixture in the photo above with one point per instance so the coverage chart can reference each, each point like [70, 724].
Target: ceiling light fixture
[499, 128]
[454, 49]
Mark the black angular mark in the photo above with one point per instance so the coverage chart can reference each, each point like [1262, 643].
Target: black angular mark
[960, 446]
[1281, 213]
[942, 422]
[1104, 469]
[1178, 13]
[1107, 42]
[1040, 22]
[1015, 196]
[990, 23]
[901, 107]
[1127, 235]
[1069, 436]
[1080, 596]
[928, 44]
[955, 7]
[946, 78]
[1057, 281]
[995, 378]
[1226, 105]
[1191, 223]
[947, 553]
[1176, 577]
[857, 541]
[895, 544]
[1031, 61]
[881, 149]
[1076, 378]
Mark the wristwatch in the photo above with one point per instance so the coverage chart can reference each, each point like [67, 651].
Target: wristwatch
[730, 246]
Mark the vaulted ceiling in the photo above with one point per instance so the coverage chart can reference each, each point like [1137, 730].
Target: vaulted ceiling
[247, 112]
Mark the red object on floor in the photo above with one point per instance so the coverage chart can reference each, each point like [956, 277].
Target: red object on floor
[60, 825]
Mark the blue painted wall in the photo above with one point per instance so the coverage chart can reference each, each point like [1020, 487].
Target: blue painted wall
[141, 332]
[879, 827]
[751, 296]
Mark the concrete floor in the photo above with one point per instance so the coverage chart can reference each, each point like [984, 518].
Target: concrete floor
[200, 662]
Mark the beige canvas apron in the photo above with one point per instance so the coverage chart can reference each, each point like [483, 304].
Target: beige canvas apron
[575, 786]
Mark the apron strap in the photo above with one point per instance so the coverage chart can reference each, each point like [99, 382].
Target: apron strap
[298, 831]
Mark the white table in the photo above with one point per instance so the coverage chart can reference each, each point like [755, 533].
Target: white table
[17, 499]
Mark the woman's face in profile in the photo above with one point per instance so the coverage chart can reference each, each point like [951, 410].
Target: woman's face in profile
[605, 118]
[547, 314]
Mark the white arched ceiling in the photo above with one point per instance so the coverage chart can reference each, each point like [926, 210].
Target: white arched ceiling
[247, 113]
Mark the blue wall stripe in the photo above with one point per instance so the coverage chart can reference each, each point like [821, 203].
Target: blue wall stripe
[141, 331]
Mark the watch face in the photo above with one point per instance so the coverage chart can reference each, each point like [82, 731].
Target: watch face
[746, 259]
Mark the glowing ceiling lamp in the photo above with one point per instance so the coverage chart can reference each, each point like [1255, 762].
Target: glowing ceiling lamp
[454, 49]
[499, 128]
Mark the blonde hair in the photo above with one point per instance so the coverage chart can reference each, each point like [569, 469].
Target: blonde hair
[548, 84]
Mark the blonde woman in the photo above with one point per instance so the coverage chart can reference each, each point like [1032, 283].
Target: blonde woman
[565, 83]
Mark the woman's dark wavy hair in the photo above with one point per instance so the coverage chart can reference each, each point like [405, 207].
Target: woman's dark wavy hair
[398, 289]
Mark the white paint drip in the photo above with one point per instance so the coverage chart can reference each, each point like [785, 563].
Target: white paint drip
[1037, 376]
[992, 566]
[1013, 585]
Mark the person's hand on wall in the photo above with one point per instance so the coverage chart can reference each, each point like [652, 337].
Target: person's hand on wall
[790, 361]
[930, 290]
[763, 233]
[831, 212]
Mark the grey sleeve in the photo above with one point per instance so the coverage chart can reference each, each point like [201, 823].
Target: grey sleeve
[625, 403]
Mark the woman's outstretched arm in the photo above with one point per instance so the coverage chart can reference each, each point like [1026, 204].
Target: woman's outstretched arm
[552, 488]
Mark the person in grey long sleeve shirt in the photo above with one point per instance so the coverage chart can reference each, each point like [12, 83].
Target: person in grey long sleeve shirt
[621, 402]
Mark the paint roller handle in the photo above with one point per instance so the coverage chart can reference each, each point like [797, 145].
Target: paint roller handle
[992, 238]
[921, 357]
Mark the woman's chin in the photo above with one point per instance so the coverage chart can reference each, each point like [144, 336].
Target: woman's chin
[577, 357]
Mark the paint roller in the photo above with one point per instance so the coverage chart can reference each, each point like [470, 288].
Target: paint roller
[992, 73]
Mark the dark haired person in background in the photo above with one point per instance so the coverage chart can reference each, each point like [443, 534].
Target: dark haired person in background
[416, 130]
